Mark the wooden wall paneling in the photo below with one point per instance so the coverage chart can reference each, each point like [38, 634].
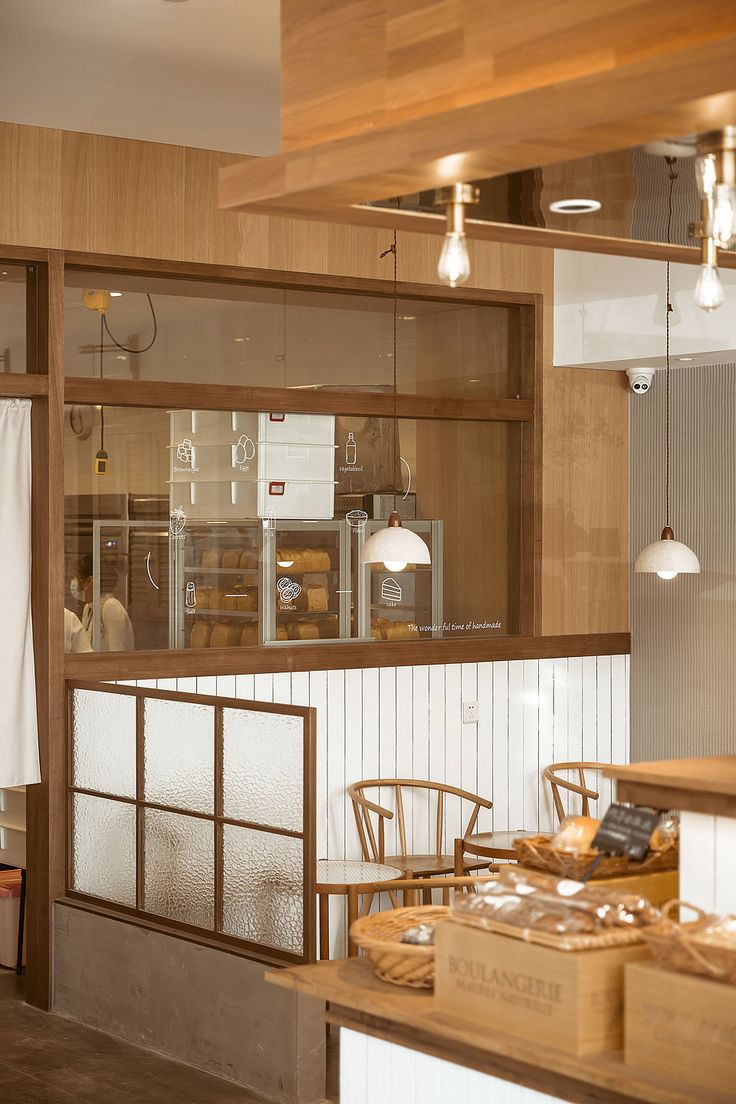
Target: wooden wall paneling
[585, 497]
[46, 809]
[351, 67]
[30, 212]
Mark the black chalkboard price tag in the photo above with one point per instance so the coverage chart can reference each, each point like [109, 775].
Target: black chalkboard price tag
[625, 831]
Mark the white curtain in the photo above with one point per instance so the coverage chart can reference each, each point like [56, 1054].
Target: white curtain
[19, 763]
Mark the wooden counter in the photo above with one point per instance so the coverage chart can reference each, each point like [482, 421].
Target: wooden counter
[705, 785]
[358, 1000]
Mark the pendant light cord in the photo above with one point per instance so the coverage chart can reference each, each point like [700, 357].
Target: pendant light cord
[396, 453]
[671, 162]
[145, 347]
[102, 407]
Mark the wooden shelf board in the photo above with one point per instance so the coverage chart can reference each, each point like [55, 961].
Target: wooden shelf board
[358, 1000]
[702, 785]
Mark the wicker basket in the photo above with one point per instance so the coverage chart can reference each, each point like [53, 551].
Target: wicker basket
[538, 852]
[688, 948]
[400, 963]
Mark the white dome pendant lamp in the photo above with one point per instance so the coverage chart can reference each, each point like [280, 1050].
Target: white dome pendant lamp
[395, 546]
[667, 557]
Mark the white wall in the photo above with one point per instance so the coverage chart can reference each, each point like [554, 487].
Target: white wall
[406, 722]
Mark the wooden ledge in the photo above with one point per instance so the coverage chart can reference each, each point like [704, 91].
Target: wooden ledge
[359, 1001]
[273, 659]
[699, 785]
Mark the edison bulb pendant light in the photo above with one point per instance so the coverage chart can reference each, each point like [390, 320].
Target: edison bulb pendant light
[395, 546]
[454, 263]
[709, 289]
[667, 557]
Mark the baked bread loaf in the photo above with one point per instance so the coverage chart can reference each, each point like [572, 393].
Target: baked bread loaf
[200, 634]
[301, 560]
[230, 558]
[247, 601]
[203, 597]
[216, 598]
[317, 599]
[248, 561]
[224, 635]
[400, 630]
[303, 630]
[249, 635]
[229, 600]
[281, 633]
[576, 834]
[210, 557]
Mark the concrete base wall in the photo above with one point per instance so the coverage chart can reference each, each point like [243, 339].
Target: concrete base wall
[202, 1006]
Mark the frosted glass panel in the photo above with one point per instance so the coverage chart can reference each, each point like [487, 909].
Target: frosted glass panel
[179, 754]
[179, 865]
[263, 893]
[103, 849]
[103, 750]
[262, 768]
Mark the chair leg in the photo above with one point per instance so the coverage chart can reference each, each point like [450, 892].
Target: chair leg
[324, 925]
[459, 860]
[21, 921]
[427, 893]
[352, 911]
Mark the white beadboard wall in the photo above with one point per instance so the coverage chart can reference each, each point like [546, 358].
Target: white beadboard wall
[707, 877]
[374, 1071]
[406, 722]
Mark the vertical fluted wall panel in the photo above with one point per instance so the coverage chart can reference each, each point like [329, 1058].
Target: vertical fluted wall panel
[683, 663]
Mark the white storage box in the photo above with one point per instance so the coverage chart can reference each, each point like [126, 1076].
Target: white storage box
[297, 429]
[296, 461]
[290, 499]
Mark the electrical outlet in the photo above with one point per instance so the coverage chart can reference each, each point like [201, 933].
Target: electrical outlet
[471, 713]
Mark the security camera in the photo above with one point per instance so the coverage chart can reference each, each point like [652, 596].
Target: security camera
[640, 379]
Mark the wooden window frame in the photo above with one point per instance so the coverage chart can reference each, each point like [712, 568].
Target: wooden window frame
[214, 936]
[44, 382]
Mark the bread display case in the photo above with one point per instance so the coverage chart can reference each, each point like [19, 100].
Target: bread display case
[255, 582]
[306, 581]
[401, 602]
[217, 573]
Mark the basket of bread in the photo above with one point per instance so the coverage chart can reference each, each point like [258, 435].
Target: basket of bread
[705, 945]
[400, 943]
[570, 853]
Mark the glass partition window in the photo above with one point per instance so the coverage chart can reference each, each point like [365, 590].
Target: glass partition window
[219, 529]
[195, 811]
[14, 280]
[271, 337]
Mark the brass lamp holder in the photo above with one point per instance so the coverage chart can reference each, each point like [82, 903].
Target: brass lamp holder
[455, 199]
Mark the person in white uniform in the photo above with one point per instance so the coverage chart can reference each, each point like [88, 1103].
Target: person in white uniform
[116, 631]
[76, 637]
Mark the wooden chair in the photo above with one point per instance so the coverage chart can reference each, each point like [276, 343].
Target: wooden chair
[553, 774]
[371, 819]
[409, 895]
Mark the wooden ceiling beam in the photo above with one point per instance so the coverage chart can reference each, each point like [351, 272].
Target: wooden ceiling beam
[688, 90]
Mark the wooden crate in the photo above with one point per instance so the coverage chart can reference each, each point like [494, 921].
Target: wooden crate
[682, 1027]
[572, 1000]
[659, 887]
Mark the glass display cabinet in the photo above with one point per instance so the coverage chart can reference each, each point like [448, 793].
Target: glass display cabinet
[306, 581]
[217, 572]
[405, 604]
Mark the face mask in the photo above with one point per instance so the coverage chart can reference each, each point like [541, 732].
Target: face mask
[76, 593]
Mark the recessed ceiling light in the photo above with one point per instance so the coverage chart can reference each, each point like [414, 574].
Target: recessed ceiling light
[473, 381]
[684, 359]
[238, 339]
[574, 206]
[116, 294]
[5, 274]
[408, 317]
